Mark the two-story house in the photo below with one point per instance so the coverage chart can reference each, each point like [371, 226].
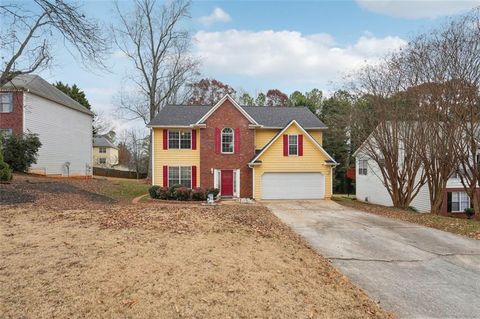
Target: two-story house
[105, 153]
[370, 187]
[29, 104]
[245, 151]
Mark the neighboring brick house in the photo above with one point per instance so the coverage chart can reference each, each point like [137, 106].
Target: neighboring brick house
[105, 153]
[245, 151]
[29, 104]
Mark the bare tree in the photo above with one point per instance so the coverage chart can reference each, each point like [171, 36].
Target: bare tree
[152, 38]
[136, 143]
[28, 33]
[389, 133]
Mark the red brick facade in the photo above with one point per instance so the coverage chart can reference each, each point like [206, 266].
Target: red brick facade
[14, 120]
[227, 115]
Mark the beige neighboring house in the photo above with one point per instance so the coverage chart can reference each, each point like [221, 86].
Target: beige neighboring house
[105, 153]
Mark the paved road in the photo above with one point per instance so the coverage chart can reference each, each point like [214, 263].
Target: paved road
[414, 271]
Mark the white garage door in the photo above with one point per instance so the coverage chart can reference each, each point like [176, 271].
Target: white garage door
[293, 186]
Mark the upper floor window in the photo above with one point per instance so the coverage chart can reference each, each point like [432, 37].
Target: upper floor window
[292, 144]
[102, 150]
[178, 139]
[362, 167]
[227, 140]
[102, 160]
[6, 102]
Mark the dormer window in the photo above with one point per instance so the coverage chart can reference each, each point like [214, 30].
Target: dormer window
[227, 141]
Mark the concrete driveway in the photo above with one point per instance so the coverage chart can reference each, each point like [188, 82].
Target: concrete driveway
[414, 271]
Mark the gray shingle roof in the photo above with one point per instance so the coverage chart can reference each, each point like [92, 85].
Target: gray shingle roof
[278, 117]
[269, 116]
[181, 115]
[38, 86]
[102, 141]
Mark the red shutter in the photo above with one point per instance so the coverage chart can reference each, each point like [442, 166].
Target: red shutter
[217, 140]
[165, 176]
[236, 138]
[194, 176]
[194, 139]
[285, 145]
[165, 139]
[300, 145]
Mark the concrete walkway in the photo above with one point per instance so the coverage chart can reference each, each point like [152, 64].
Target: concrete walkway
[414, 271]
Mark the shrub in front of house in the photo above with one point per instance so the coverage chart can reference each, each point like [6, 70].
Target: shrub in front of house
[20, 151]
[469, 212]
[163, 193]
[153, 191]
[199, 194]
[182, 193]
[5, 171]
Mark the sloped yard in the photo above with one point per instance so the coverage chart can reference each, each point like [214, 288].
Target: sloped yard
[164, 261]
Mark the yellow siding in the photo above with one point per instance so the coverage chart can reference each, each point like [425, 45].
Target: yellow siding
[312, 161]
[172, 157]
[263, 136]
[111, 156]
[317, 135]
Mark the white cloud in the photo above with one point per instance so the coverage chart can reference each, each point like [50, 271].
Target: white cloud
[218, 15]
[413, 9]
[286, 57]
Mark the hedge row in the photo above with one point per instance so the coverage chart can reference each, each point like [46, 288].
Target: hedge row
[179, 192]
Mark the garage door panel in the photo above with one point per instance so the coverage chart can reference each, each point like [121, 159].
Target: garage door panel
[309, 185]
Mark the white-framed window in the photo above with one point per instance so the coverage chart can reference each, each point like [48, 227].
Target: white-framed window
[362, 167]
[460, 201]
[6, 132]
[180, 140]
[102, 150]
[102, 160]
[227, 141]
[6, 102]
[292, 145]
[180, 175]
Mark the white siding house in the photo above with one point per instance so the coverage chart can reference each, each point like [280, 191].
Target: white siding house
[370, 188]
[63, 126]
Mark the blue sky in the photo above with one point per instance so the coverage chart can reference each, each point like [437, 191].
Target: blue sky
[258, 45]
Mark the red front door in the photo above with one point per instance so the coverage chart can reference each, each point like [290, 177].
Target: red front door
[227, 183]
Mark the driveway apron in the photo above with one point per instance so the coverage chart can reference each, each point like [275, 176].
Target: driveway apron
[412, 270]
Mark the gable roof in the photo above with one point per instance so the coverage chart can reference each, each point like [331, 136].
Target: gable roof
[266, 116]
[38, 86]
[330, 160]
[102, 141]
[219, 103]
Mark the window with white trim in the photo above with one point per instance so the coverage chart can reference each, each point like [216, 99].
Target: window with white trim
[6, 132]
[362, 167]
[6, 102]
[227, 141]
[102, 160]
[180, 175]
[179, 139]
[292, 145]
[102, 150]
[460, 201]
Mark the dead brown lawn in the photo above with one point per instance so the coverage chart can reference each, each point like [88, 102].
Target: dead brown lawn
[165, 261]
